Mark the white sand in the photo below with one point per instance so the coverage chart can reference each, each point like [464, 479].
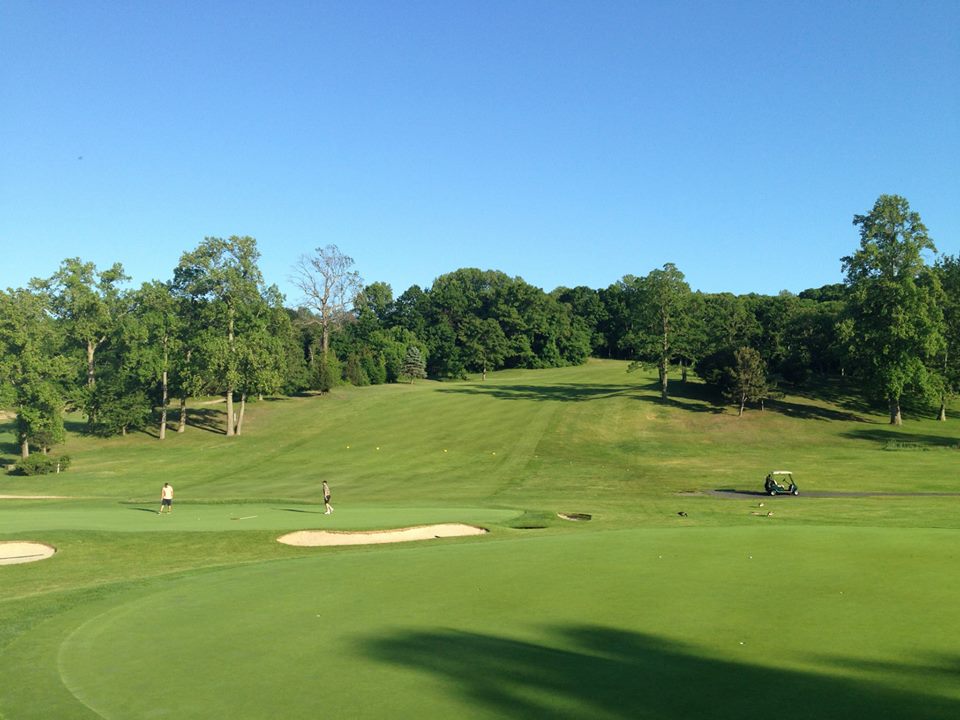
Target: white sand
[16, 551]
[323, 538]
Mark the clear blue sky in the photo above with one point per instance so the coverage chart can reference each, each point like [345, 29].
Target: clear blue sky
[569, 143]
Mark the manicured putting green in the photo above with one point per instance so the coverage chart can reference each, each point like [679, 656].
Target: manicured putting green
[701, 622]
[38, 515]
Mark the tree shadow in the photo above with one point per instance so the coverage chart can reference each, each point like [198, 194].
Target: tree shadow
[9, 450]
[734, 492]
[695, 397]
[79, 427]
[943, 666]
[686, 396]
[898, 440]
[568, 392]
[207, 419]
[597, 672]
[813, 412]
[844, 392]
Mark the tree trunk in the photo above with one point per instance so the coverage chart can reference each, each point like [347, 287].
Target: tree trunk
[243, 407]
[663, 379]
[895, 417]
[683, 372]
[163, 406]
[91, 349]
[91, 379]
[182, 425]
[24, 448]
[942, 416]
[743, 401]
[230, 421]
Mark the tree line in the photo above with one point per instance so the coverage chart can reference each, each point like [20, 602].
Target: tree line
[80, 340]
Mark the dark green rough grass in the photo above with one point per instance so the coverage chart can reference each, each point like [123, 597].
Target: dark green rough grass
[591, 439]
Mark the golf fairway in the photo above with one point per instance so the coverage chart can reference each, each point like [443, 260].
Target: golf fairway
[692, 622]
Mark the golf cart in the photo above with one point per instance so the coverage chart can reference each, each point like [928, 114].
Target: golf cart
[772, 487]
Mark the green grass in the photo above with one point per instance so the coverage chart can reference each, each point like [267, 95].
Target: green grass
[832, 607]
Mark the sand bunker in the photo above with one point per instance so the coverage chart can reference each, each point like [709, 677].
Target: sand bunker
[324, 538]
[575, 517]
[15, 552]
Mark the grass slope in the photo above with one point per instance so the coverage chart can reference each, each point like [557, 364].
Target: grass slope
[832, 607]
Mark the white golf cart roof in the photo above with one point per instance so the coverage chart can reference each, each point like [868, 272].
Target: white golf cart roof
[781, 472]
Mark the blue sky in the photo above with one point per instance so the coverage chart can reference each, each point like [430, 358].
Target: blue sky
[568, 143]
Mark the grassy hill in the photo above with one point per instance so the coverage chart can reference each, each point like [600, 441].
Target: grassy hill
[832, 606]
[592, 437]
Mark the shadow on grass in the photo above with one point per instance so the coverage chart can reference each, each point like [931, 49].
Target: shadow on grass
[311, 512]
[78, 427]
[207, 419]
[686, 396]
[9, 451]
[892, 439]
[813, 412]
[844, 392]
[561, 393]
[734, 491]
[143, 509]
[601, 672]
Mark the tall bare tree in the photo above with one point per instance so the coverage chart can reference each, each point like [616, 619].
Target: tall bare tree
[329, 286]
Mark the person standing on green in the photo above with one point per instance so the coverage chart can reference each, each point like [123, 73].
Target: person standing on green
[166, 498]
[326, 499]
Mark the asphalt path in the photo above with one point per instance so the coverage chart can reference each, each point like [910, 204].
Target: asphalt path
[733, 494]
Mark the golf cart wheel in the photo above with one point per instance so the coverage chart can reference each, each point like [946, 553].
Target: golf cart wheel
[796, 492]
[772, 492]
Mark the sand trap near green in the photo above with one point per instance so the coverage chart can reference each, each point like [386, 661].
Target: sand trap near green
[21, 551]
[721, 623]
[331, 538]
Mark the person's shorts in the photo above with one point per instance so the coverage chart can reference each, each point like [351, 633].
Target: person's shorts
[167, 502]
[326, 498]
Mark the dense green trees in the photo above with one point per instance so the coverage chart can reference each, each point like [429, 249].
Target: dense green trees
[34, 374]
[659, 304]
[894, 304]
[240, 351]
[948, 368]
[80, 340]
[748, 378]
[89, 305]
[414, 366]
[477, 320]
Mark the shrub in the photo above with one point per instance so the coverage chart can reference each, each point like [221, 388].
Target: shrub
[39, 464]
